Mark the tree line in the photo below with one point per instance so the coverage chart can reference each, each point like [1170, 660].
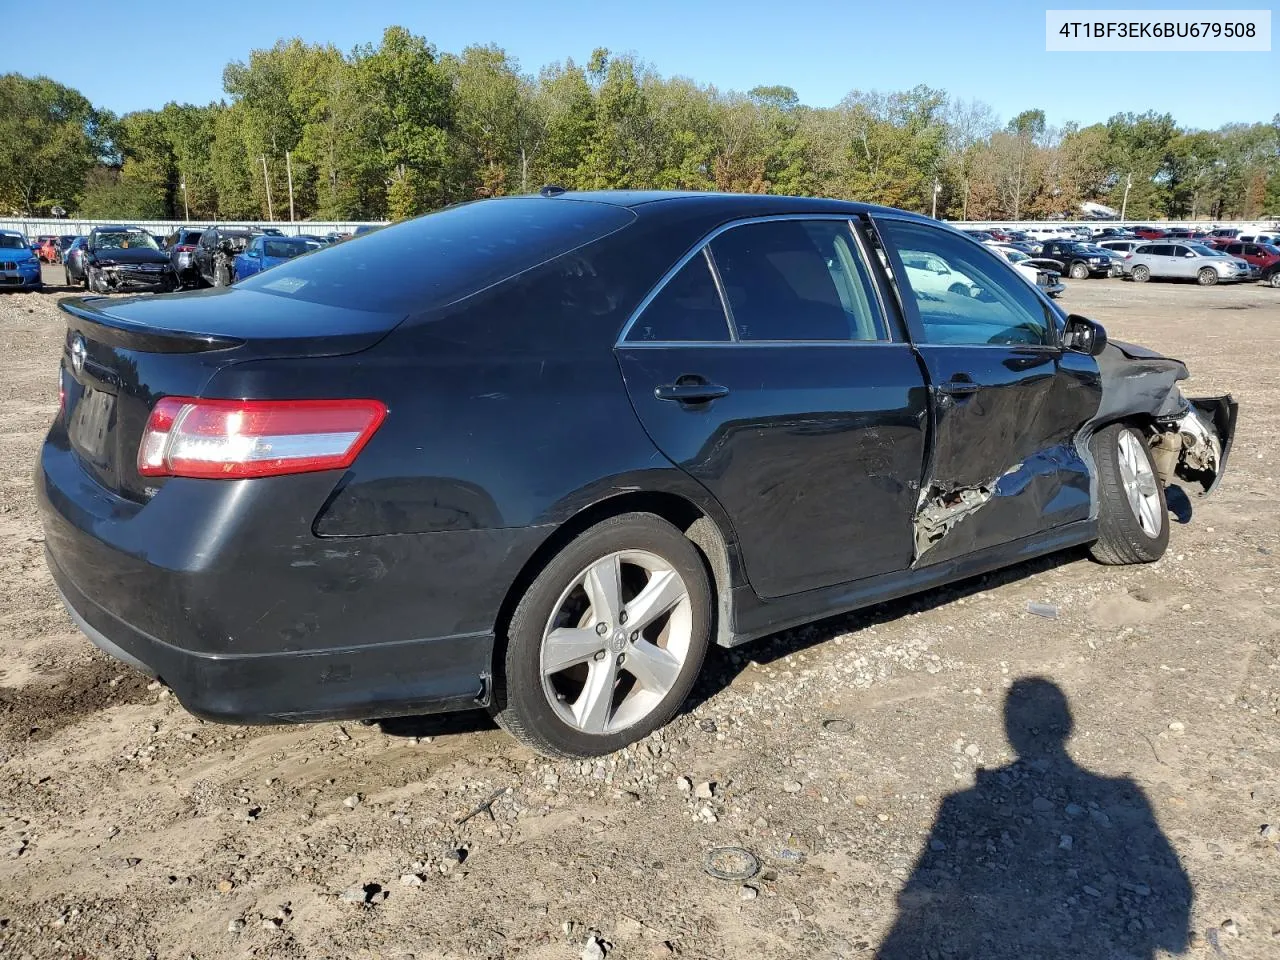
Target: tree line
[399, 128]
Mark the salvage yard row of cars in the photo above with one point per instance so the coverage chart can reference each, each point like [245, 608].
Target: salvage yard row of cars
[1141, 253]
[130, 259]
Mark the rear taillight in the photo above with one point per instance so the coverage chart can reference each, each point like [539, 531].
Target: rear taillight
[226, 439]
[184, 248]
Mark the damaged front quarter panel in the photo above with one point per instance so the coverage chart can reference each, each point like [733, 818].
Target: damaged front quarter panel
[1190, 438]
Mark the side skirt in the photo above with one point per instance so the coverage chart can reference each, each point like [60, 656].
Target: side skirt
[755, 618]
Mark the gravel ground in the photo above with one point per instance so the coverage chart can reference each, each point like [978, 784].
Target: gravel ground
[899, 775]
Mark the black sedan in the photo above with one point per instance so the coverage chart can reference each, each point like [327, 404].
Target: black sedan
[119, 259]
[584, 437]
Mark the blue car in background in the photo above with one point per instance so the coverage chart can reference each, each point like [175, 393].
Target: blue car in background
[19, 264]
[267, 250]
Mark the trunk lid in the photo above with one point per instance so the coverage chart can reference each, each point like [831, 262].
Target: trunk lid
[121, 356]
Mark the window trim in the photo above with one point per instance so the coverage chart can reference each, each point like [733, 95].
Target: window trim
[892, 331]
[911, 311]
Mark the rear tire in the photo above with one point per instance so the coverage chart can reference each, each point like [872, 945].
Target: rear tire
[1274, 280]
[1141, 274]
[645, 667]
[1207, 277]
[1079, 271]
[1133, 517]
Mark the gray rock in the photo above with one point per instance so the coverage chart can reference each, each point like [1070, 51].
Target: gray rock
[352, 801]
[684, 784]
[748, 892]
[705, 790]
[1074, 810]
[792, 786]
[1092, 891]
[1042, 805]
[1064, 842]
[593, 949]
[235, 926]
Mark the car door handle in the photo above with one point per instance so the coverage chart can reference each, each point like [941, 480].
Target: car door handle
[958, 388]
[690, 390]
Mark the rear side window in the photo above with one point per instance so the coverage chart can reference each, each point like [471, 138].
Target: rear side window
[797, 280]
[687, 309]
[439, 258]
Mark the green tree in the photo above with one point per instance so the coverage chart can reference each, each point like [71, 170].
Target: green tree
[50, 138]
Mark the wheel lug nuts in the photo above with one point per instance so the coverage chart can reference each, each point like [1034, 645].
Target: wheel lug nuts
[622, 617]
[635, 636]
[602, 628]
[622, 658]
[601, 655]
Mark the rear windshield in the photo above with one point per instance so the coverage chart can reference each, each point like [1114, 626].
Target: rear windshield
[9, 241]
[441, 257]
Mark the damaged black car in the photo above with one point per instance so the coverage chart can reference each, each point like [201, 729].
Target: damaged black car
[214, 257]
[120, 259]
[584, 438]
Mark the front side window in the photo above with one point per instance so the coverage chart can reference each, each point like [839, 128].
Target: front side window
[687, 309]
[797, 280]
[964, 295]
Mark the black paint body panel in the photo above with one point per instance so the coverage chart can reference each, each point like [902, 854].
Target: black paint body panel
[379, 589]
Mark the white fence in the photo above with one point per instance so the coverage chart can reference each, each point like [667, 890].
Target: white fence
[34, 227]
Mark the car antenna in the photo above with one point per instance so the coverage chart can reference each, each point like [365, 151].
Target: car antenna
[551, 190]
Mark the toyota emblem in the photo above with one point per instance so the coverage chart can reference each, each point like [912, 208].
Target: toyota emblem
[77, 354]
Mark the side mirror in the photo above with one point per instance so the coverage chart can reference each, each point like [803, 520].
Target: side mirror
[1083, 335]
[252, 253]
[1189, 253]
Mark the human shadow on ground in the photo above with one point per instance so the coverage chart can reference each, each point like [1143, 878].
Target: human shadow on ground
[1043, 858]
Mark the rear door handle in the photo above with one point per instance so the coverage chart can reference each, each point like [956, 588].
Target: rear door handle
[958, 388]
[690, 390]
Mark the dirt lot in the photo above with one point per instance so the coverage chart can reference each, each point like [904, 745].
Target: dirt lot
[130, 829]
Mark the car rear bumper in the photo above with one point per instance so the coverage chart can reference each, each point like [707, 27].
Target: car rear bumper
[223, 590]
[292, 686]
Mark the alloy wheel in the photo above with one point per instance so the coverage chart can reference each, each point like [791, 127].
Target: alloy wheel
[1140, 484]
[616, 642]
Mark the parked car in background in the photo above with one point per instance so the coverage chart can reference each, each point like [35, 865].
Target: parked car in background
[64, 241]
[120, 259]
[1125, 246]
[214, 256]
[1036, 272]
[73, 261]
[307, 508]
[1185, 261]
[181, 245]
[49, 249]
[265, 252]
[19, 264]
[1258, 255]
[1225, 234]
[1112, 233]
[1271, 238]
[1147, 233]
[1079, 260]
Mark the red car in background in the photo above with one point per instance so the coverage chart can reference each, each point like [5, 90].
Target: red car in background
[1261, 255]
[48, 249]
[1147, 233]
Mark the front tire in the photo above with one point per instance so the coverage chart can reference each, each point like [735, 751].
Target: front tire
[1274, 280]
[1207, 277]
[1141, 274]
[607, 641]
[1133, 516]
[1079, 271]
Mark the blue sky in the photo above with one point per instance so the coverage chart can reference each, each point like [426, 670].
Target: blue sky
[985, 50]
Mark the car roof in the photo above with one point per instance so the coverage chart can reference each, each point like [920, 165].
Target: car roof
[668, 202]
